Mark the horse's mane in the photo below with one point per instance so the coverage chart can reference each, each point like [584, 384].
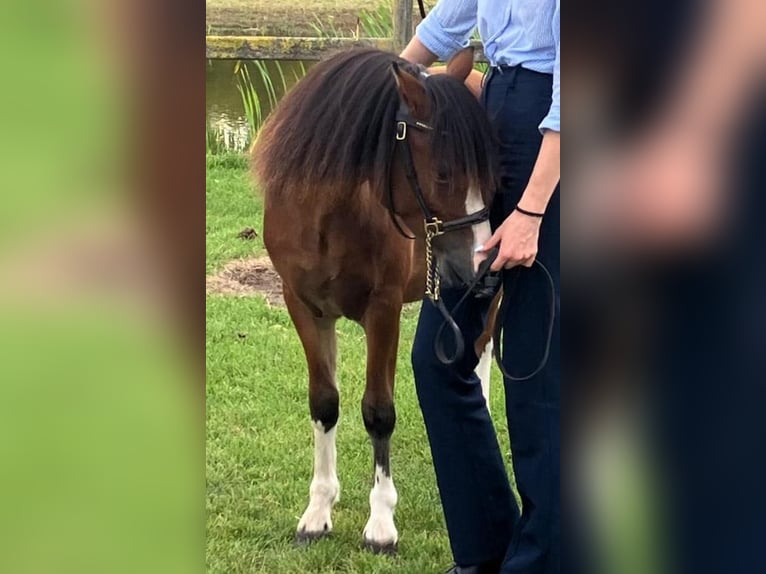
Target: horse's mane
[336, 129]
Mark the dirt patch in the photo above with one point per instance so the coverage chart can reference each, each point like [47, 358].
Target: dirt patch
[247, 277]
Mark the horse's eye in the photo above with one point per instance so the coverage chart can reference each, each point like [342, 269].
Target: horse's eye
[441, 175]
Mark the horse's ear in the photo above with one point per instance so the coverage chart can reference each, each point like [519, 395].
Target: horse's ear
[411, 91]
[461, 64]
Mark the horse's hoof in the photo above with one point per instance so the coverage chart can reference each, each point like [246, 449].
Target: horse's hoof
[304, 538]
[389, 548]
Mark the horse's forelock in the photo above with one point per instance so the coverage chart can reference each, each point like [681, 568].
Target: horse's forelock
[463, 139]
[336, 129]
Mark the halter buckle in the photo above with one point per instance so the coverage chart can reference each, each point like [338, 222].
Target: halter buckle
[434, 227]
[401, 131]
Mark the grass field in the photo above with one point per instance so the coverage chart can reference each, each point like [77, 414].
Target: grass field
[287, 18]
[259, 440]
[280, 17]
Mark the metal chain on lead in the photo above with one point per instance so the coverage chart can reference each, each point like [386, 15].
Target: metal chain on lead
[432, 273]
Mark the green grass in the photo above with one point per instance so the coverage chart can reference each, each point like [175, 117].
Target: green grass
[287, 18]
[259, 439]
[232, 205]
[371, 22]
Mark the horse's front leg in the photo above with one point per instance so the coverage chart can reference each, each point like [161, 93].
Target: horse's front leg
[381, 325]
[319, 344]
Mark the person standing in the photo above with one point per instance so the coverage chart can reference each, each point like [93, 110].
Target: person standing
[488, 534]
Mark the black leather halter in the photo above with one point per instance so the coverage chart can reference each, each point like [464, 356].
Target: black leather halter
[404, 120]
[483, 285]
[432, 224]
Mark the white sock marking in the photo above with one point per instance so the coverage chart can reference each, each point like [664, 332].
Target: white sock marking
[483, 370]
[325, 488]
[380, 527]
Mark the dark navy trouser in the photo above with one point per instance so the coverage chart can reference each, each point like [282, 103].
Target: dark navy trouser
[482, 516]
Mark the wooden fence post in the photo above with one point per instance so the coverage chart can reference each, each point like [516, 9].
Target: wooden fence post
[402, 24]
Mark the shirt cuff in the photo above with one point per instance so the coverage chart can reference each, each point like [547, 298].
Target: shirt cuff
[552, 121]
[431, 34]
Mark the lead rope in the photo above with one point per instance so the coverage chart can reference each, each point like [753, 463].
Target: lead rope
[449, 321]
[422, 9]
[498, 334]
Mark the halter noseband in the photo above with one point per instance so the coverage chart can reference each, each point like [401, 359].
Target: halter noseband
[433, 225]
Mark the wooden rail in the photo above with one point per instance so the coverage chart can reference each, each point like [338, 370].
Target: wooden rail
[284, 48]
[402, 24]
[293, 48]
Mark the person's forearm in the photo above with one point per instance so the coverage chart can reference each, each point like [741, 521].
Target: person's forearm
[417, 53]
[545, 175]
[723, 71]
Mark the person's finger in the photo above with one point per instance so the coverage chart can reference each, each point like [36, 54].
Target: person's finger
[492, 241]
[499, 262]
[529, 262]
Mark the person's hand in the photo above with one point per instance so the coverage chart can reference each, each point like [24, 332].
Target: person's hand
[518, 238]
[661, 192]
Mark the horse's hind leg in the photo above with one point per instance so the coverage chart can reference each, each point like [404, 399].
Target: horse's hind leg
[484, 369]
[318, 338]
[381, 324]
[484, 346]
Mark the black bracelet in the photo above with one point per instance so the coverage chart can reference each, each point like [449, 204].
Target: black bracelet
[529, 213]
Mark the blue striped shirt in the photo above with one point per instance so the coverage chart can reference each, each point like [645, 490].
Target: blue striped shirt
[514, 32]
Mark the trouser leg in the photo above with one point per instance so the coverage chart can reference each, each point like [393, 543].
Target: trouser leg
[479, 507]
[517, 100]
[533, 410]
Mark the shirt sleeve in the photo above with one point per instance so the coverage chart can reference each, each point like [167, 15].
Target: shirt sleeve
[553, 120]
[448, 26]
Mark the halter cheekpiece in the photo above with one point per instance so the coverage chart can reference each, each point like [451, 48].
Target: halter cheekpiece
[433, 226]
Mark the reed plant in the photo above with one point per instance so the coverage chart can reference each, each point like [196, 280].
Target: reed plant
[377, 22]
[374, 22]
[214, 140]
[261, 84]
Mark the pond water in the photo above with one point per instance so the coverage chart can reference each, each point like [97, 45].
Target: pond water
[225, 110]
